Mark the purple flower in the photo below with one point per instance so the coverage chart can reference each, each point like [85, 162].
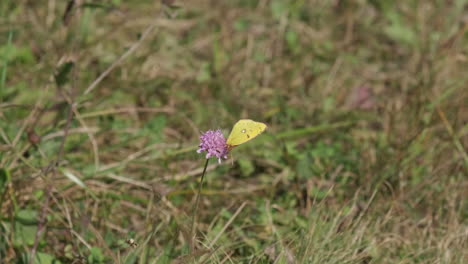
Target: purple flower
[214, 143]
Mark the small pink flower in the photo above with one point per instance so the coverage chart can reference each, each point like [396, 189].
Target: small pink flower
[362, 98]
[214, 143]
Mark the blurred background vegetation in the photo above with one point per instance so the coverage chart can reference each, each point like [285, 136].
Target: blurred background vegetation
[364, 161]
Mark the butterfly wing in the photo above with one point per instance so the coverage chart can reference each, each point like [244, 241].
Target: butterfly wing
[243, 131]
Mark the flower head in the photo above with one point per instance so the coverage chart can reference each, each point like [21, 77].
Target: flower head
[214, 143]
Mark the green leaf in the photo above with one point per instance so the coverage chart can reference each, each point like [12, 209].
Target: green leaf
[62, 76]
[165, 257]
[154, 128]
[27, 217]
[24, 235]
[96, 256]
[398, 30]
[204, 74]
[131, 258]
[292, 39]
[4, 179]
[11, 53]
[44, 258]
[279, 8]
[303, 167]
[246, 167]
[241, 25]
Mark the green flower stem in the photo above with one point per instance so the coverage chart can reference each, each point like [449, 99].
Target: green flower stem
[197, 201]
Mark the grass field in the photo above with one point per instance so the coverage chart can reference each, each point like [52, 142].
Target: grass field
[365, 158]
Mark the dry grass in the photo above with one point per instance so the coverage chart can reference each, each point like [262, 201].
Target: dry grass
[364, 160]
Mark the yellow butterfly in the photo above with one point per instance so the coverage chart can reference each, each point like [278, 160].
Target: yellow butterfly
[243, 131]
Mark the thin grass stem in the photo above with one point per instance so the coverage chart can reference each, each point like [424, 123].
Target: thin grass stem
[195, 208]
